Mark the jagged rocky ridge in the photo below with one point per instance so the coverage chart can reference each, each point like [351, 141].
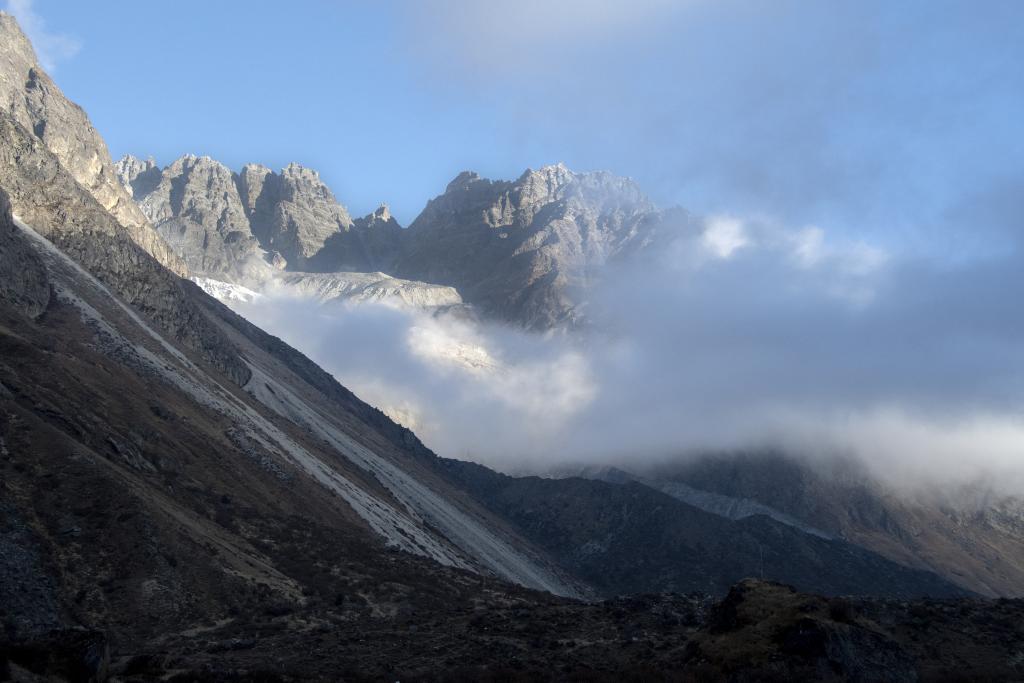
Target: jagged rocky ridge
[246, 228]
[521, 251]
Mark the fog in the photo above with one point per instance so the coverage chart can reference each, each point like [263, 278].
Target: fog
[743, 334]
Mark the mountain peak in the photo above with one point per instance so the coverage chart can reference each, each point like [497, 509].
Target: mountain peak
[383, 212]
[191, 161]
[131, 170]
[256, 168]
[554, 171]
[297, 170]
[14, 40]
[462, 180]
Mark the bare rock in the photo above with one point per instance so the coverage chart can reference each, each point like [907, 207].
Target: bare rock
[524, 250]
[196, 207]
[23, 280]
[293, 212]
[35, 102]
[372, 243]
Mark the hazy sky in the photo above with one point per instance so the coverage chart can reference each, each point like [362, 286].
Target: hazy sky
[895, 121]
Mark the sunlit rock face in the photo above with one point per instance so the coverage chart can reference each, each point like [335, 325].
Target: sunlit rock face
[195, 205]
[35, 102]
[243, 227]
[525, 251]
[292, 212]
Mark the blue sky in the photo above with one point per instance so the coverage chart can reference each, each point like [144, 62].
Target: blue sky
[895, 122]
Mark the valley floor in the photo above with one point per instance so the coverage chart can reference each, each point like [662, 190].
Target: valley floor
[760, 632]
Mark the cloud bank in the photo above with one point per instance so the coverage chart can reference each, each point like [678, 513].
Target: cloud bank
[745, 335]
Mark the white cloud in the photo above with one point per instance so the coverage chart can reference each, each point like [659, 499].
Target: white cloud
[724, 235]
[474, 391]
[745, 335]
[51, 48]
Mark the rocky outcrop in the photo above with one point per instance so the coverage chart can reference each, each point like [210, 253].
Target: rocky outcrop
[33, 100]
[23, 281]
[231, 230]
[139, 177]
[292, 212]
[524, 251]
[196, 207]
[242, 228]
[372, 243]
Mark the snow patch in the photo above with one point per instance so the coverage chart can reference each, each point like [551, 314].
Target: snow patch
[226, 292]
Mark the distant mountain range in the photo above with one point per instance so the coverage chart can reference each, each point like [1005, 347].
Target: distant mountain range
[183, 494]
[521, 251]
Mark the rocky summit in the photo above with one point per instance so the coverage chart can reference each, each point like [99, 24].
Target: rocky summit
[526, 250]
[523, 252]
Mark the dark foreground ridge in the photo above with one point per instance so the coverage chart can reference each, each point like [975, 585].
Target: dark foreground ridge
[761, 631]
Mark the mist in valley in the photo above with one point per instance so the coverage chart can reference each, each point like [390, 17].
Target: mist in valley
[740, 335]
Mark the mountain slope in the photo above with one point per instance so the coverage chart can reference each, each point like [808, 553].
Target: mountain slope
[35, 102]
[629, 538]
[280, 418]
[285, 396]
[973, 537]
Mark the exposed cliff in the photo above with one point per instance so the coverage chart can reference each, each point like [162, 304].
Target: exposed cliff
[30, 96]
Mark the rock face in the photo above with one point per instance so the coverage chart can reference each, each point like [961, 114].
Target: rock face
[524, 251]
[292, 212]
[242, 228]
[372, 243]
[138, 177]
[196, 207]
[35, 102]
[23, 281]
[48, 198]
